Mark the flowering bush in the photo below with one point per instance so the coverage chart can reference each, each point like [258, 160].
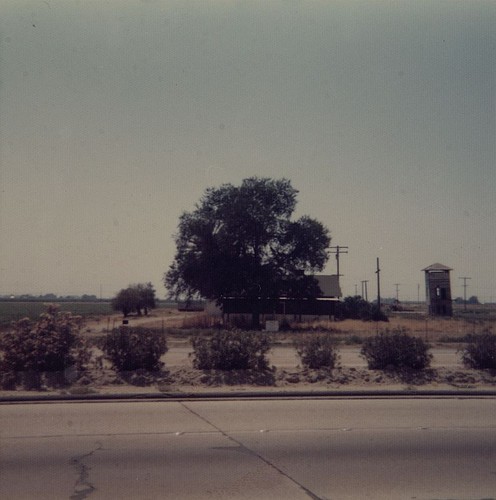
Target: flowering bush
[396, 350]
[135, 348]
[231, 350]
[480, 352]
[317, 352]
[52, 343]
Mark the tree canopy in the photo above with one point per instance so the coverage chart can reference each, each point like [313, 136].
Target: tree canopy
[240, 241]
[135, 298]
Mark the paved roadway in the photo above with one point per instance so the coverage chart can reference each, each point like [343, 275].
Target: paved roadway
[262, 449]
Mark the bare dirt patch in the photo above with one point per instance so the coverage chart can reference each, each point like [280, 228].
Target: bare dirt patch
[187, 380]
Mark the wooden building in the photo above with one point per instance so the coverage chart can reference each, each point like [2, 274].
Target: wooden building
[279, 307]
[438, 290]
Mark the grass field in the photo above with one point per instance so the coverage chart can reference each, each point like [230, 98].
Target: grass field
[14, 310]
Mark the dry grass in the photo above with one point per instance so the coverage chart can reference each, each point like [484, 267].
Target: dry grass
[430, 328]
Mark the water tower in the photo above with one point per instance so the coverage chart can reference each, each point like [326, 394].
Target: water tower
[438, 290]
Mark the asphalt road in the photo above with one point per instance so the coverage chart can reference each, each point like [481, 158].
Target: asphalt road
[263, 449]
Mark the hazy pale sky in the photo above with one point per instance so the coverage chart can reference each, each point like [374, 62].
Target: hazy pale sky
[116, 115]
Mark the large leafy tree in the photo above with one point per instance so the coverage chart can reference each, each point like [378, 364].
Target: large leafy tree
[135, 298]
[240, 241]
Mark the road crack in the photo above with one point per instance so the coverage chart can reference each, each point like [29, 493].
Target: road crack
[83, 487]
[244, 449]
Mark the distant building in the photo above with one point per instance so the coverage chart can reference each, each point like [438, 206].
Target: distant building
[324, 305]
[438, 290]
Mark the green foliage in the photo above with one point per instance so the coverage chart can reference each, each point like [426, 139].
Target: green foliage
[134, 298]
[395, 351]
[135, 348]
[358, 308]
[50, 344]
[240, 242]
[480, 352]
[317, 351]
[231, 350]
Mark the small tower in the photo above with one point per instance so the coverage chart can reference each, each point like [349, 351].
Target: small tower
[438, 290]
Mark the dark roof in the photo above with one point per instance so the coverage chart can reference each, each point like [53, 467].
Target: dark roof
[437, 267]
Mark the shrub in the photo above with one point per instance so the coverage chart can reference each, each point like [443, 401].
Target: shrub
[480, 352]
[318, 352]
[50, 344]
[396, 350]
[135, 348]
[353, 340]
[231, 350]
[358, 308]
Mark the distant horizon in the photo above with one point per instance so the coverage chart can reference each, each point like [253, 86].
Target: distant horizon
[372, 297]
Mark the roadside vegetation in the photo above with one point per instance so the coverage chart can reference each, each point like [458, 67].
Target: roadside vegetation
[480, 352]
[231, 350]
[135, 349]
[396, 351]
[317, 351]
[59, 351]
[46, 348]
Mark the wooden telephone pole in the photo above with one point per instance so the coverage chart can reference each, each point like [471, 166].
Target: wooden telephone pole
[364, 290]
[378, 272]
[465, 278]
[338, 251]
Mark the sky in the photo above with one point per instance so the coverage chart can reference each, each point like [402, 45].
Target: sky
[115, 116]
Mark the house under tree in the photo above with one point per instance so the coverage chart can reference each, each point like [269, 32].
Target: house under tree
[279, 307]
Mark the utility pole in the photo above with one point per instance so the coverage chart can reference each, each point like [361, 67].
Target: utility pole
[397, 285]
[356, 290]
[338, 251]
[465, 278]
[364, 290]
[378, 272]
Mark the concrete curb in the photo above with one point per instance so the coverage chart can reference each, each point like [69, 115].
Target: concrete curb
[219, 396]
